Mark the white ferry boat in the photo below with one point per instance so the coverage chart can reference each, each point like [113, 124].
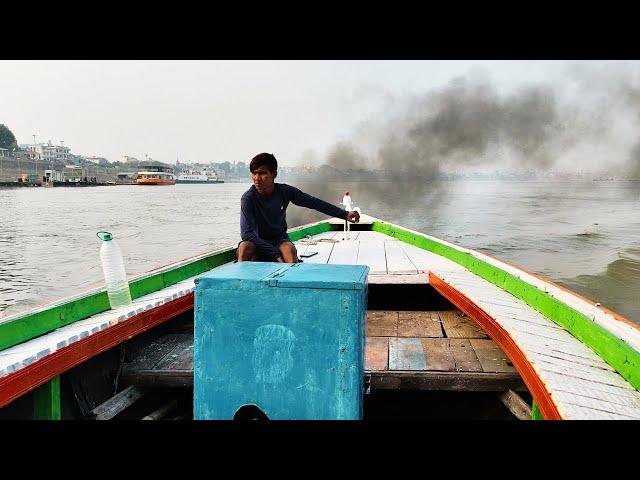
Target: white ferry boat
[207, 176]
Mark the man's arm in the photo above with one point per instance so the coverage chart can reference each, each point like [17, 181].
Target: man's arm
[249, 232]
[298, 197]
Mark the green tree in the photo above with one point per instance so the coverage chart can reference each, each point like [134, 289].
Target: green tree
[7, 139]
[224, 166]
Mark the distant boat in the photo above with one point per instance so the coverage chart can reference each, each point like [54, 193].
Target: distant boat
[188, 176]
[155, 175]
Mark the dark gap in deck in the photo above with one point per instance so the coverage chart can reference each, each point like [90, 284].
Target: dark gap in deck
[355, 227]
[416, 297]
[433, 405]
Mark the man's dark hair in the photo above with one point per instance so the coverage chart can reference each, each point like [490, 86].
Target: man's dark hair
[263, 160]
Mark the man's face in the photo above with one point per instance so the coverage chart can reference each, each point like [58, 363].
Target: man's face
[263, 179]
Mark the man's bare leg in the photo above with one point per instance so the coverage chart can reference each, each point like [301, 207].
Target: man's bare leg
[289, 252]
[247, 252]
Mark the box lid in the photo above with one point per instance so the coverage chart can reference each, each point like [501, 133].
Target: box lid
[287, 275]
[320, 275]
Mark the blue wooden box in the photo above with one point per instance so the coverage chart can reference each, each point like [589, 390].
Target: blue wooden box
[287, 338]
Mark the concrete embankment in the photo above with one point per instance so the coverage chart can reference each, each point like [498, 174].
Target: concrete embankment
[11, 169]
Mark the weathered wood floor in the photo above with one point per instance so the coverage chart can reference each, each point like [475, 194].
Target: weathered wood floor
[435, 350]
[385, 256]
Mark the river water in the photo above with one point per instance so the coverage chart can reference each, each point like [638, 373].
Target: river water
[582, 235]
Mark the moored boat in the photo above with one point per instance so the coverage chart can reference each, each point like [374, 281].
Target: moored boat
[442, 319]
[193, 177]
[155, 175]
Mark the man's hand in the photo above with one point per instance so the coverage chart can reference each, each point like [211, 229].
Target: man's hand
[353, 216]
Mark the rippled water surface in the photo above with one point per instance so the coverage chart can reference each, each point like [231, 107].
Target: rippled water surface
[583, 235]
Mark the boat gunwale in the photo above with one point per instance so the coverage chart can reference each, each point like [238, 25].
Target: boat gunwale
[610, 345]
[505, 341]
[30, 377]
[499, 262]
[141, 284]
[297, 233]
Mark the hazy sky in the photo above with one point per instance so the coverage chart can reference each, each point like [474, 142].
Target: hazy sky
[227, 110]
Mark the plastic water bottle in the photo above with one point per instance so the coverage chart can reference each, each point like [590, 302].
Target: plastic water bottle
[114, 273]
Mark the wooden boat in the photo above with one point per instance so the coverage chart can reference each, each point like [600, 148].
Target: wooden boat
[446, 325]
[155, 175]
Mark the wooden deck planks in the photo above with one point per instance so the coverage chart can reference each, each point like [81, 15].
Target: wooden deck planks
[438, 355]
[180, 358]
[491, 358]
[424, 260]
[406, 345]
[324, 250]
[572, 411]
[456, 326]
[464, 355]
[626, 396]
[371, 236]
[150, 356]
[419, 324]
[382, 323]
[597, 404]
[397, 260]
[345, 252]
[384, 255]
[372, 253]
[406, 354]
[376, 355]
[398, 279]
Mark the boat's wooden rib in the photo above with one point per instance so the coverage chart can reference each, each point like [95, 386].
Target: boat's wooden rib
[117, 403]
[515, 404]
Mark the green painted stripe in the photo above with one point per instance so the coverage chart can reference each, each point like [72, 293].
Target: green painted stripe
[622, 357]
[46, 401]
[33, 325]
[535, 412]
[297, 234]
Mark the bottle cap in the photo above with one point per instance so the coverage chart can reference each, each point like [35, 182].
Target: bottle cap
[105, 237]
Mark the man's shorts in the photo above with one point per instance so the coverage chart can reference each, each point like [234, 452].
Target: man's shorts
[276, 243]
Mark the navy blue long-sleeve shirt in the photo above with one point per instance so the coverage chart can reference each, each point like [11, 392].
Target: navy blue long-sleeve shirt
[263, 219]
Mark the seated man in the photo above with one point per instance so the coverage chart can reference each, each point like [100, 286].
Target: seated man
[263, 226]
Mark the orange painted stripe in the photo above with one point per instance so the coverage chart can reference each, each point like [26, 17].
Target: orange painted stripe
[28, 378]
[499, 335]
